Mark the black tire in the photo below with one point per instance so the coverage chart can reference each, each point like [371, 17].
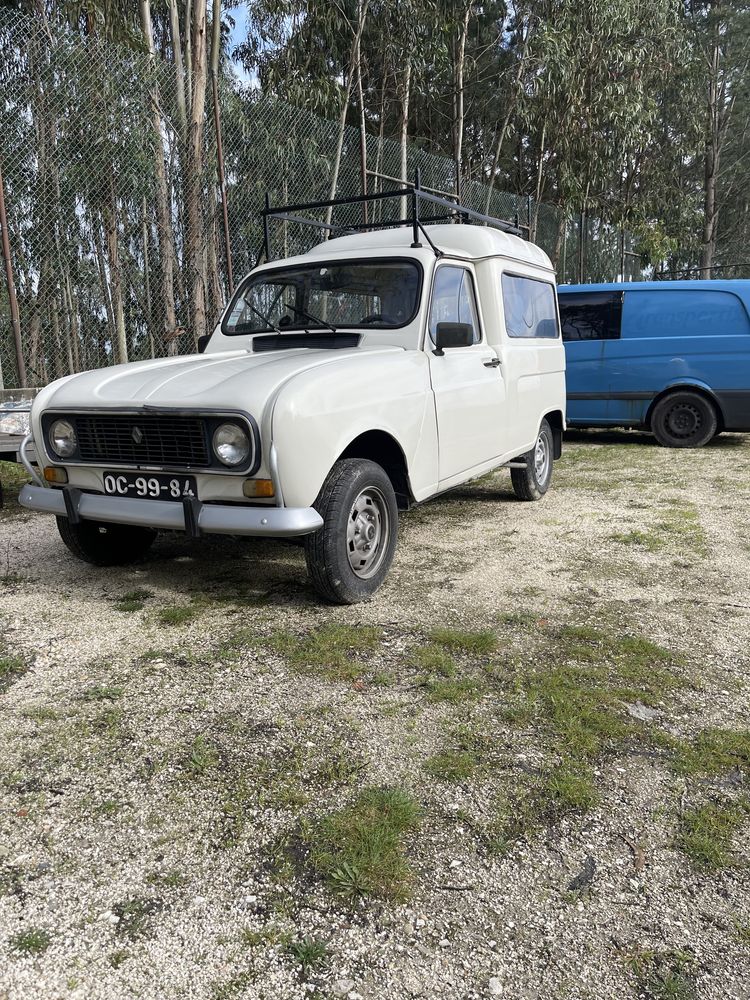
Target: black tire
[533, 482]
[106, 544]
[358, 506]
[684, 420]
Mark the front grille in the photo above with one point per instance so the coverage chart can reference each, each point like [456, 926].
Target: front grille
[135, 439]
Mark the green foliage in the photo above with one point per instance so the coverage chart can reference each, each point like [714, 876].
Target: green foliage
[331, 651]
[33, 941]
[706, 832]
[309, 953]
[359, 851]
[665, 975]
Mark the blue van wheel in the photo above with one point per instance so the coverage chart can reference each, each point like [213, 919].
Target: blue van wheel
[684, 420]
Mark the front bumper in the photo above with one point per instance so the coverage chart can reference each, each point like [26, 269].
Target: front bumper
[194, 517]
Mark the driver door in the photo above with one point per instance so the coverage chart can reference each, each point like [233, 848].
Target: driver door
[467, 382]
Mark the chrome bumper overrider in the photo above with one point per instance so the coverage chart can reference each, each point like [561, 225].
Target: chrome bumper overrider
[193, 517]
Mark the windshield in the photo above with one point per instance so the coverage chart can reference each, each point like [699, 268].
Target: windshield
[377, 295]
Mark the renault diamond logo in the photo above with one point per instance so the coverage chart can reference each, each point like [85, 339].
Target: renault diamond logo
[137, 435]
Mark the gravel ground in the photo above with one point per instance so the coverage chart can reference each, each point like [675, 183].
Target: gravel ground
[176, 733]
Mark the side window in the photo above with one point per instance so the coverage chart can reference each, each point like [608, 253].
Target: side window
[591, 315]
[453, 300]
[529, 307]
[668, 312]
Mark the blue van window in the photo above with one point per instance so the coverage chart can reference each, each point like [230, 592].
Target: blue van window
[529, 307]
[591, 315]
[666, 312]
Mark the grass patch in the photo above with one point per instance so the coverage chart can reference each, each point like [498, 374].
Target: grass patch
[452, 765]
[712, 752]
[179, 614]
[358, 850]
[666, 975]
[135, 916]
[643, 539]
[458, 641]
[101, 692]
[133, 600]
[542, 800]
[309, 953]
[574, 692]
[11, 668]
[33, 941]
[454, 690]
[434, 659]
[331, 651]
[203, 757]
[706, 831]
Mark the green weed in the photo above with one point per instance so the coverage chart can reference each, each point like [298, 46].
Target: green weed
[706, 831]
[33, 941]
[358, 850]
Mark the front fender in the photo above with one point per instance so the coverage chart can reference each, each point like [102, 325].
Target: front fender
[318, 413]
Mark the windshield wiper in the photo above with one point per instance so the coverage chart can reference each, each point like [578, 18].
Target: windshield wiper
[260, 315]
[312, 319]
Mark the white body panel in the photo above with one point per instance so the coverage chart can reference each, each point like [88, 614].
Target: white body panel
[451, 416]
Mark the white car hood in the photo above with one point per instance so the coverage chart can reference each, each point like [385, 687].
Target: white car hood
[233, 379]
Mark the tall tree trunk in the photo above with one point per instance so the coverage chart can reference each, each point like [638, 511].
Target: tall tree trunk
[174, 30]
[404, 127]
[353, 59]
[194, 249]
[163, 206]
[711, 157]
[109, 213]
[458, 99]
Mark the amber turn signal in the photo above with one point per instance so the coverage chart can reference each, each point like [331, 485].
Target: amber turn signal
[54, 475]
[258, 488]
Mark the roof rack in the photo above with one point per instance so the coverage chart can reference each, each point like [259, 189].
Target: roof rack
[414, 192]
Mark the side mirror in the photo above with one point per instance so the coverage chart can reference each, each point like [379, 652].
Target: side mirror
[453, 335]
[203, 342]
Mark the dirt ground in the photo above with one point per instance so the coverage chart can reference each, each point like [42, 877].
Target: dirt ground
[520, 771]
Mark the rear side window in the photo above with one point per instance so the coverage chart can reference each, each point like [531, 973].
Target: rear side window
[591, 315]
[529, 307]
[681, 312]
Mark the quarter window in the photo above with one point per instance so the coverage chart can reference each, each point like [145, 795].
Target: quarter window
[453, 300]
[529, 307]
[591, 315]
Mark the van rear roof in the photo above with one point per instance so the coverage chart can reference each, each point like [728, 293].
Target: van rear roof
[739, 286]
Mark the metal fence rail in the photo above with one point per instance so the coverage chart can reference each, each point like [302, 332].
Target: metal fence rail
[84, 126]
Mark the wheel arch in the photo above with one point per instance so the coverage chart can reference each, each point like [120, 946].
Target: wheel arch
[696, 387]
[381, 447]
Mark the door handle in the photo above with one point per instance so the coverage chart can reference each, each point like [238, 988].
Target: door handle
[494, 363]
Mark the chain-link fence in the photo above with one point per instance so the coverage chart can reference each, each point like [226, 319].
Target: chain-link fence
[116, 236]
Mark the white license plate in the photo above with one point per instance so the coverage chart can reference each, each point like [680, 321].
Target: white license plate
[150, 487]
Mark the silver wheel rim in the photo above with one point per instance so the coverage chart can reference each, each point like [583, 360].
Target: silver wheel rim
[541, 459]
[367, 533]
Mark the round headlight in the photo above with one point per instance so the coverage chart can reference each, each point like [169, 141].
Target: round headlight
[62, 437]
[231, 444]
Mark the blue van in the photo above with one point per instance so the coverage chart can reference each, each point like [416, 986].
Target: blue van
[672, 356]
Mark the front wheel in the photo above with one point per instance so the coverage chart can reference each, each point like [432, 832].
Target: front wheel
[684, 420]
[349, 557]
[533, 481]
[106, 544]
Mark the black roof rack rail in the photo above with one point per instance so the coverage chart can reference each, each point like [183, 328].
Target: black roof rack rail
[414, 192]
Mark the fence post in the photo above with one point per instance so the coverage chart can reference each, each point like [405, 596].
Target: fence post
[15, 320]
